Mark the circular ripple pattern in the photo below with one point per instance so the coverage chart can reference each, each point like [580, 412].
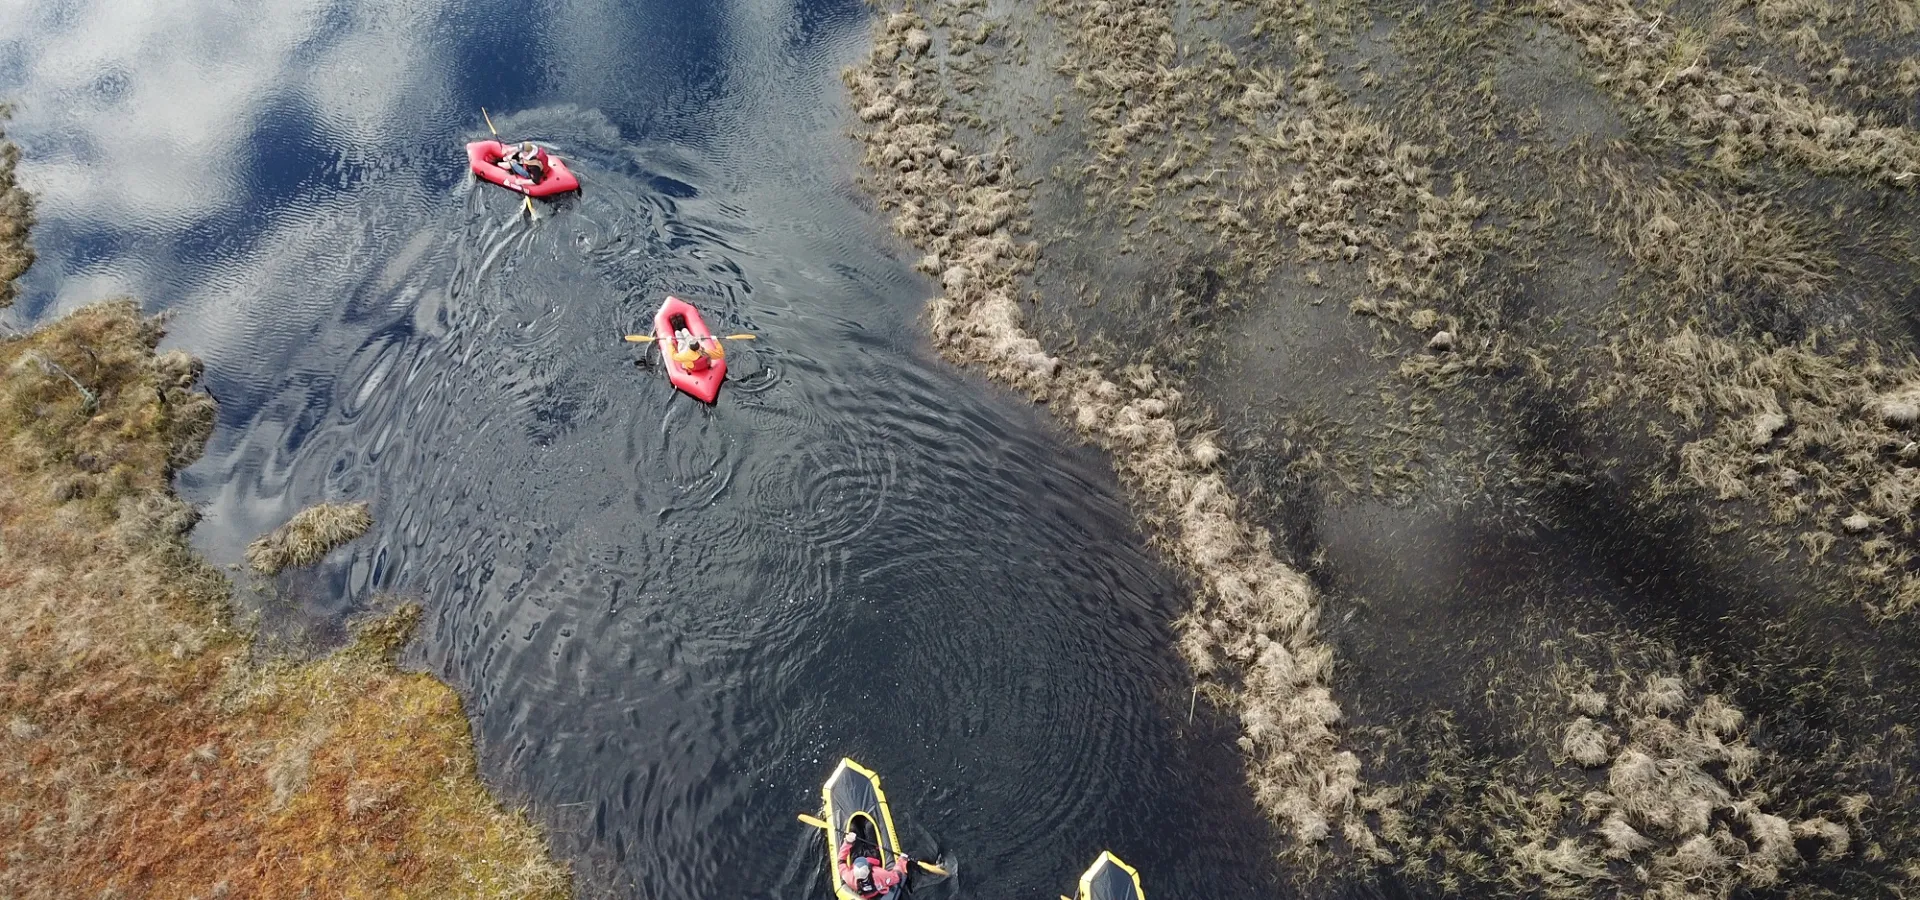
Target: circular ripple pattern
[670, 620]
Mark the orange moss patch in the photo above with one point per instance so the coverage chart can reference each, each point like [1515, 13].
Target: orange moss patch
[143, 753]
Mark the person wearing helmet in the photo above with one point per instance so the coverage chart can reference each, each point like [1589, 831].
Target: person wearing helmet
[864, 875]
[529, 161]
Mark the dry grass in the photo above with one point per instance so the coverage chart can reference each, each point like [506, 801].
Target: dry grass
[309, 536]
[1819, 434]
[1684, 778]
[1656, 792]
[1906, 77]
[1255, 627]
[1743, 114]
[1708, 245]
[1236, 143]
[1271, 165]
[146, 754]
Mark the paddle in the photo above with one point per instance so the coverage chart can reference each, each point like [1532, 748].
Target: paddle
[496, 134]
[643, 338]
[817, 823]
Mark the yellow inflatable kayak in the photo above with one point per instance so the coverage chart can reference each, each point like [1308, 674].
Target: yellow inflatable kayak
[1110, 879]
[854, 802]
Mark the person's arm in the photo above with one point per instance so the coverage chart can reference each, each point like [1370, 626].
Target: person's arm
[846, 848]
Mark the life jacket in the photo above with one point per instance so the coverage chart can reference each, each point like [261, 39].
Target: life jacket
[533, 168]
[691, 342]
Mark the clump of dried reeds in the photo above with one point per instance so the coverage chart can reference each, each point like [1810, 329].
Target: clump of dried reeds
[1712, 245]
[1683, 776]
[1743, 113]
[1658, 792]
[309, 536]
[1818, 432]
[1272, 165]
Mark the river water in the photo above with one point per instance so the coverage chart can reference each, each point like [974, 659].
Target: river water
[670, 620]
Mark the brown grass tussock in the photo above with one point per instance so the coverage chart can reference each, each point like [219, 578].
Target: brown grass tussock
[309, 536]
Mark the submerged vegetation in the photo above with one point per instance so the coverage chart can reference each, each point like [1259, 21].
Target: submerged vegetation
[147, 750]
[1620, 285]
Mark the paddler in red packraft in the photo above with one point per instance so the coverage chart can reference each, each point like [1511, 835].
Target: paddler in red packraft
[529, 161]
[692, 353]
[863, 874]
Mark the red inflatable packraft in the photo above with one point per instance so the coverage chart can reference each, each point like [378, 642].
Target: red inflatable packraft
[485, 155]
[702, 383]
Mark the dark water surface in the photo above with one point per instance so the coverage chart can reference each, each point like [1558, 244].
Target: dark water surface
[670, 620]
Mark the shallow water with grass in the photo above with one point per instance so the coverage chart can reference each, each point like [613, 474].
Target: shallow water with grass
[1561, 346]
[670, 620]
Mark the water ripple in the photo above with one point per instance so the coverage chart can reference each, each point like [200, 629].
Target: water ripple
[670, 620]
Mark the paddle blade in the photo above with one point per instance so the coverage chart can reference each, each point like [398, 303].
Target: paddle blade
[639, 338]
[741, 337]
[930, 867]
[483, 114]
[811, 820]
[530, 213]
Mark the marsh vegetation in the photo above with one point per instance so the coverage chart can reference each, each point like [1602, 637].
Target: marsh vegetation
[1378, 305]
[149, 749]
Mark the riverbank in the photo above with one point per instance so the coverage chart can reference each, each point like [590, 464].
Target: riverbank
[148, 750]
[1526, 386]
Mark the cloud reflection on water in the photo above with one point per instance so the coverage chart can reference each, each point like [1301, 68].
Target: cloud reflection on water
[144, 123]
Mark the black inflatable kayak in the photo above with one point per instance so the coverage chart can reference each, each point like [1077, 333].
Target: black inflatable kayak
[854, 802]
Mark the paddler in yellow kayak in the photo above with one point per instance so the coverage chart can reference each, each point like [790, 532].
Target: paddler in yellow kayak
[863, 874]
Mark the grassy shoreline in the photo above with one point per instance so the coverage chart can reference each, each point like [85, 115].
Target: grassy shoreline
[147, 752]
